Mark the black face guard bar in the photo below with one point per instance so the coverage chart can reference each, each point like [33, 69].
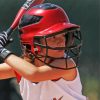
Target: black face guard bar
[72, 48]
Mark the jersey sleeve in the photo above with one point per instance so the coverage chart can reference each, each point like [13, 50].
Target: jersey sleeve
[18, 76]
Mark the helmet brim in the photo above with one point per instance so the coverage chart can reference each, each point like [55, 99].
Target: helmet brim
[57, 28]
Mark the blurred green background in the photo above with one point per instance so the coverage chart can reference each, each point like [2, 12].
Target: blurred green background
[82, 12]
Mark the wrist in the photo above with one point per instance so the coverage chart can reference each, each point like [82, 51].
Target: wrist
[5, 54]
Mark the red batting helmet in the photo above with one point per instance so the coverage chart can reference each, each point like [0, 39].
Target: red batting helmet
[46, 20]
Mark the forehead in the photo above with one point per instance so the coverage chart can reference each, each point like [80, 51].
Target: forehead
[58, 34]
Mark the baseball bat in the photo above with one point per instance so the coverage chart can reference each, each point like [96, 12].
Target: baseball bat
[20, 13]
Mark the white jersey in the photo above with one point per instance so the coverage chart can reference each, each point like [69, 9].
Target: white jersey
[52, 90]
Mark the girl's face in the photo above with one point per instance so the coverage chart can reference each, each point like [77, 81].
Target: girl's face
[55, 41]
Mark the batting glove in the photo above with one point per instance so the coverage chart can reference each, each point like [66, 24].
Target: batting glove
[4, 53]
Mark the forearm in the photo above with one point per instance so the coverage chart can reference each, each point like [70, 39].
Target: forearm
[31, 72]
[21, 66]
[36, 74]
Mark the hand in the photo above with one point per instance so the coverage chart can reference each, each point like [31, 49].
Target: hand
[3, 38]
[4, 53]
[30, 3]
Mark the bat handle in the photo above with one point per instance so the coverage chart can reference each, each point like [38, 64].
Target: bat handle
[9, 31]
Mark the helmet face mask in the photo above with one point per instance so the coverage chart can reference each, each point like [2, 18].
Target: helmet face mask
[71, 49]
[36, 36]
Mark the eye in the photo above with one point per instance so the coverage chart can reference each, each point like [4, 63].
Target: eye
[53, 37]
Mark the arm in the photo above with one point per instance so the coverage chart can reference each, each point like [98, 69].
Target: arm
[30, 71]
[33, 73]
[6, 71]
